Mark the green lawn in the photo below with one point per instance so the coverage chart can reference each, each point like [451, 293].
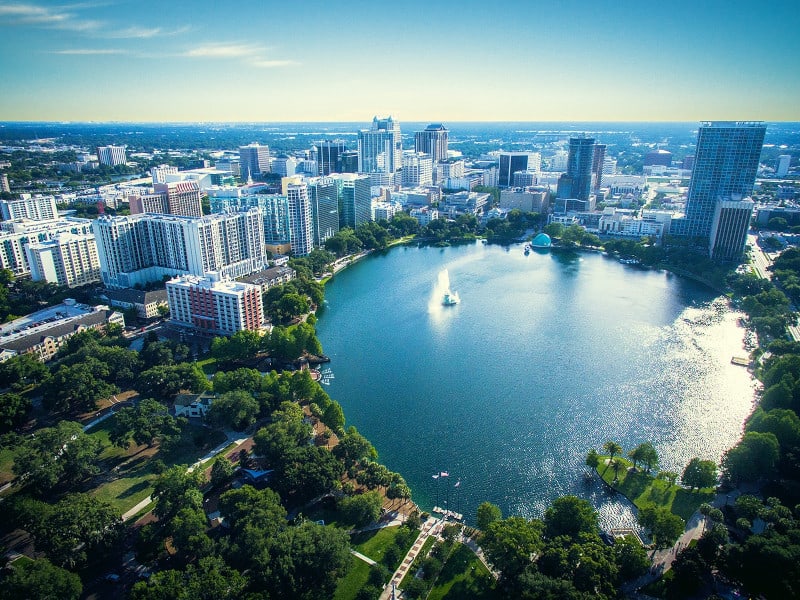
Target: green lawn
[375, 543]
[136, 473]
[349, 585]
[6, 462]
[645, 490]
[463, 576]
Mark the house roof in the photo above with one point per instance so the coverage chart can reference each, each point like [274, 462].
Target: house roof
[25, 342]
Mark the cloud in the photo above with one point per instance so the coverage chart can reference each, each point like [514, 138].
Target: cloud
[251, 54]
[270, 64]
[30, 13]
[89, 51]
[223, 50]
[144, 32]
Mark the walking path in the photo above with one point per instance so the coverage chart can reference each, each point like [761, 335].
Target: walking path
[431, 527]
[211, 454]
[366, 559]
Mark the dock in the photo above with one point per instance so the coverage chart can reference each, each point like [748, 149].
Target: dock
[448, 514]
[742, 362]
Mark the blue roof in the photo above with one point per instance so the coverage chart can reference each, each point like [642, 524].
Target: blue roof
[542, 241]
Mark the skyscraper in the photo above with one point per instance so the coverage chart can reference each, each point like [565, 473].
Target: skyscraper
[598, 159]
[323, 194]
[380, 148]
[432, 141]
[510, 163]
[253, 160]
[782, 168]
[329, 156]
[726, 161]
[417, 169]
[577, 181]
[301, 228]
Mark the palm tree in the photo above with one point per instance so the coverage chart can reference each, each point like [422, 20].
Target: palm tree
[612, 448]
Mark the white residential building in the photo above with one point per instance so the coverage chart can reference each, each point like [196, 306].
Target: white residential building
[301, 227]
[35, 208]
[424, 215]
[67, 259]
[16, 235]
[138, 249]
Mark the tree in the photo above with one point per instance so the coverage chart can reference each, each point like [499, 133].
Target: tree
[645, 454]
[162, 382]
[664, 526]
[612, 448]
[210, 579]
[149, 422]
[511, 543]
[56, 455]
[39, 578]
[175, 489]
[362, 509]
[487, 514]
[630, 557]
[69, 531]
[333, 417]
[188, 529]
[22, 370]
[699, 474]
[354, 448]
[13, 410]
[236, 409]
[756, 456]
[77, 388]
[221, 471]
[570, 516]
[592, 459]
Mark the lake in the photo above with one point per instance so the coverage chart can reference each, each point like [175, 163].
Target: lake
[545, 357]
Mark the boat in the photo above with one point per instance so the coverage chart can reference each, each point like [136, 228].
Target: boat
[450, 298]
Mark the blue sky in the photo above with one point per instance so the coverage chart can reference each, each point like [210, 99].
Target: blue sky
[622, 60]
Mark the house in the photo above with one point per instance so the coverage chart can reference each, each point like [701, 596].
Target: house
[193, 405]
[147, 304]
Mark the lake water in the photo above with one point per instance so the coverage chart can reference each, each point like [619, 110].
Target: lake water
[545, 357]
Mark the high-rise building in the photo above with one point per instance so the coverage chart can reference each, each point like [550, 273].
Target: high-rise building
[35, 208]
[300, 226]
[726, 162]
[111, 156]
[329, 156]
[323, 194]
[16, 235]
[253, 161]
[577, 181]
[355, 199]
[67, 259]
[138, 249]
[380, 148]
[349, 161]
[173, 198]
[510, 163]
[729, 228]
[598, 160]
[159, 173]
[782, 169]
[4, 185]
[432, 141]
[417, 169]
[213, 306]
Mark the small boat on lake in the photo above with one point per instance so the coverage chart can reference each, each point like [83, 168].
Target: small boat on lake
[450, 298]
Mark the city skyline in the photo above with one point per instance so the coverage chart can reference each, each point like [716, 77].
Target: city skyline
[122, 61]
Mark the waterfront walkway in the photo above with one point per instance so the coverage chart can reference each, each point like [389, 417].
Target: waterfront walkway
[431, 527]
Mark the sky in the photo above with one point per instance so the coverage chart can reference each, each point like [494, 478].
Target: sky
[432, 60]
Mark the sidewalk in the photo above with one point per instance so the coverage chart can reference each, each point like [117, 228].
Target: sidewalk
[431, 527]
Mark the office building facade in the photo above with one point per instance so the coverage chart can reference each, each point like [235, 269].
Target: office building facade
[577, 181]
[725, 166]
[111, 156]
[253, 161]
[510, 163]
[432, 141]
[417, 169]
[323, 195]
[329, 156]
[380, 148]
